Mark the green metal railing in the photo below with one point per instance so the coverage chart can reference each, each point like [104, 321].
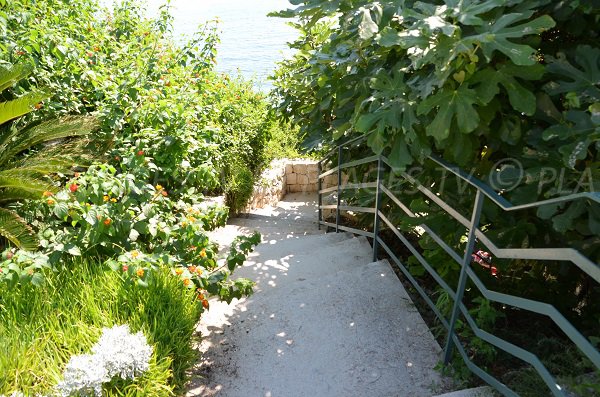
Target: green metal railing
[483, 192]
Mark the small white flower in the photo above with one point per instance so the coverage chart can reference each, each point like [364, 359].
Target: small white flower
[123, 353]
[84, 374]
[118, 352]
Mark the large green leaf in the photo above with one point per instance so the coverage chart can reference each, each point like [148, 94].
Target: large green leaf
[584, 80]
[20, 140]
[468, 12]
[18, 107]
[521, 98]
[16, 230]
[451, 105]
[13, 73]
[367, 27]
[400, 156]
[494, 37]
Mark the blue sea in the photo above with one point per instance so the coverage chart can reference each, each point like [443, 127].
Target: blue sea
[251, 43]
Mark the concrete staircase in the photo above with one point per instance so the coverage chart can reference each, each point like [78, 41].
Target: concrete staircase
[324, 321]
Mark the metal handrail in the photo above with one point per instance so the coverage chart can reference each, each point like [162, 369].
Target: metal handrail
[483, 192]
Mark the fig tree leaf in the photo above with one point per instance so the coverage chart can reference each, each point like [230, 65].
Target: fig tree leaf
[367, 27]
[451, 104]
[494, 37]
[520, 98]
[399, 156]
[584, 79]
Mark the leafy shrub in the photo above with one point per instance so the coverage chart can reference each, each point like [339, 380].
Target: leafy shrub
[132, 224]
[475, 83]
[238, 187]
[25, 176]
[149, 93]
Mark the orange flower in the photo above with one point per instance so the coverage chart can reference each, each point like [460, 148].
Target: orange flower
[186, 282]
[107, 221]
[192, 269]
[205, 304]
[140, 272]
[201, 297]
[164, 193]
[47, 194]
[73, 187]
[179, 271]
[51, 202]
[203, 253]
[38, 106]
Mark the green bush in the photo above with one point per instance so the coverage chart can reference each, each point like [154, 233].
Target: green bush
[507, 90]
[149, 93]
[49, 324]
[238, 187]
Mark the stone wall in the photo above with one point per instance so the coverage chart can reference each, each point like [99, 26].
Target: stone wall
[283, 176]
[271, 187]
[301, 176]
[292, 176]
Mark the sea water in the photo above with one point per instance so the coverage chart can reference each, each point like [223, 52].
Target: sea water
[250, 42]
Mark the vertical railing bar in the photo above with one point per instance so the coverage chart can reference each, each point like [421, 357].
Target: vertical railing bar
[319, 195]
[462, 281]
[339, 190]
[377, 207]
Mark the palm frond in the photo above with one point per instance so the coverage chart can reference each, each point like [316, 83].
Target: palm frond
[13, 73]
[20, 106]
[13, 195]
[24, 181]
[16, 230]
[69, 126]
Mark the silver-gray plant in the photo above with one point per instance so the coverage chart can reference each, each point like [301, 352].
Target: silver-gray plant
[118, 352]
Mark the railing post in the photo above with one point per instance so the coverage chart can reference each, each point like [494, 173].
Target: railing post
[462, 281]
[377, 207]
[339, 190]
[319, 197]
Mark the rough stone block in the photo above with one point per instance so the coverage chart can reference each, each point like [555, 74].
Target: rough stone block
[302, 179]
[300, 169]
[292, 179]
[289, 168]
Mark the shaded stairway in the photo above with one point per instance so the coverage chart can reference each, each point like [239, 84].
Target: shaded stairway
[325, 320]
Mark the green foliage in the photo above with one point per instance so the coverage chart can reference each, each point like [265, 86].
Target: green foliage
[26, 176]
[177, 130]
[65, 317]
[476, 83]
[238, 187]
[133, 225]
[150, 94]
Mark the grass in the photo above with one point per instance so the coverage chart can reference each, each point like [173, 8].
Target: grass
[41, 328]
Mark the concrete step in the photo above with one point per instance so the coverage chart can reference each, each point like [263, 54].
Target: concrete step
[354, 332]
[295, 244]
[483, 391]
[275, 266]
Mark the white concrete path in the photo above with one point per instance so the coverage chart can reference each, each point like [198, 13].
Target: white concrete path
[324, 320]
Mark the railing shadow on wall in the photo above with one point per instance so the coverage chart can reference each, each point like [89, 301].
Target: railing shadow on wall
[336, 185]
